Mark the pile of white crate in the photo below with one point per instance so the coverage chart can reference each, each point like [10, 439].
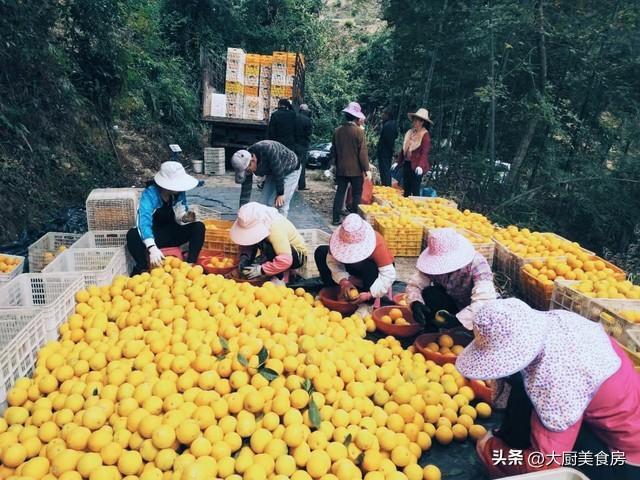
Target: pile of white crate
[214, 161]
[234, 82]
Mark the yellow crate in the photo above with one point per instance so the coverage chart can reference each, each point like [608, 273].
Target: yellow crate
[253, 58]
[266, 60]
[233, 87]
[402, 241]
[370, 212]
[534, 292]
[217, 237]
[252, 69]
[278, 91]
[251, 91]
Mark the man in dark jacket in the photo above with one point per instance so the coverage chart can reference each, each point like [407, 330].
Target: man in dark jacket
[282, 125]
[304, 128]
[277, 164]
[388, 134]
[349, 150]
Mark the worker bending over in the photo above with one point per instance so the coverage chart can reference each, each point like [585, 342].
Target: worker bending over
[356, 259]
[451, 278]
[271, 245]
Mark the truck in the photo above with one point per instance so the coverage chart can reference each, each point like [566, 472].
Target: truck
[235, 133]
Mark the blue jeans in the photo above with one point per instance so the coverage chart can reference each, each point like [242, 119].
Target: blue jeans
[269, 192]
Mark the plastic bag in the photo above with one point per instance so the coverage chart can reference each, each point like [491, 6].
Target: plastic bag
[367, 193]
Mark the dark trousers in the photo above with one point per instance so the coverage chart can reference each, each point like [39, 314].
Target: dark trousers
[515, 431]
[302, 156]
[366, 271]
[384, 165]
[166, 235]
[410, 180]
[436, 298]
[356, 194]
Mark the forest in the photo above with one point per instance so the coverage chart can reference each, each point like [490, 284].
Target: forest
[536, 103]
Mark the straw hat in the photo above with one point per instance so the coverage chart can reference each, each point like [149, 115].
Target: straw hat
[422, 113]
[447, 251]
[252, 225]
[172, 176]
[354, 109]
[353, 241]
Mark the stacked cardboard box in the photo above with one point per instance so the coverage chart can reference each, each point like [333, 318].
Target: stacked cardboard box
[234, 85]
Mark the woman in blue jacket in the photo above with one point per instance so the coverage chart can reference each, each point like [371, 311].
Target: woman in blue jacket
[164, 219]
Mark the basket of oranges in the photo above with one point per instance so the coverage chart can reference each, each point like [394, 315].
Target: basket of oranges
[10, 267]
[396, 321]
[442, 348]
[217, 262]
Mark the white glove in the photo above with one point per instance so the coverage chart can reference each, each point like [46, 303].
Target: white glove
[254, 271]
[418, 170]
[368, 174]
[155, 256]
[394, 166]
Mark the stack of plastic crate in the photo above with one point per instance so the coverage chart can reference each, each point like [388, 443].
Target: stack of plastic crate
[214, 161]
[52, 295]
[234, 84]
[265, 83]
[278, 78]
[252, 106]
[291, 74]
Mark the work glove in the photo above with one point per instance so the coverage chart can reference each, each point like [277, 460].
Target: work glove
[443, 318]
[245, 261]
[394, 166]
[254, 271]
[189, 217]
[418, 170]
[420, 312]
[155, 256]
[345, 287]
[368, 174]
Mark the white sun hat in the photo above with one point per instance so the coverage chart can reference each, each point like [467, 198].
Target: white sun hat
[172, 176]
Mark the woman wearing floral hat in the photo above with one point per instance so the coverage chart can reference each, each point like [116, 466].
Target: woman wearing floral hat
[414, 156]
[582, 392]
[259, 228]
[452, 278]
[357, 257]
[164, 219]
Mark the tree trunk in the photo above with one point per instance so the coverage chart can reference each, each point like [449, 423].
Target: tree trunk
[432, 66]
[539, 92]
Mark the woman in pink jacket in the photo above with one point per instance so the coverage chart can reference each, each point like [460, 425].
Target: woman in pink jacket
[581, 396]
[414, 156]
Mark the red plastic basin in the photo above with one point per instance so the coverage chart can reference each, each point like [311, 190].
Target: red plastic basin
[423, 340]
[329, 298]
[396, 330]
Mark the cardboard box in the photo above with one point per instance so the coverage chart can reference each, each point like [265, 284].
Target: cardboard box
[218, 105]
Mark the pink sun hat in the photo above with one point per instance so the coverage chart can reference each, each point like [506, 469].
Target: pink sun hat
[354, 109]
[564, 358]
[446, 252]
[508, 336]
[353, 241]
[252, 225]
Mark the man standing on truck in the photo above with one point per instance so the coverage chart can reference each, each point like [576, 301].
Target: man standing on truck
[304, 128]
[277, 164]
[282, 125]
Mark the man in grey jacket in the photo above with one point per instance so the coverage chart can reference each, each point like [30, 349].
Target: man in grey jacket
[277, 164]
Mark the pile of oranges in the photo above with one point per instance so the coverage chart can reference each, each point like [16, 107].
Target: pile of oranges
[177, 375]
[8, 264]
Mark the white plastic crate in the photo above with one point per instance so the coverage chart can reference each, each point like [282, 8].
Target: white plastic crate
[313, 238]
[17, 270]
[98, 266]
[43, 251]
[22, 334]
[112, 208]
[102, 239]
[53, 294]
